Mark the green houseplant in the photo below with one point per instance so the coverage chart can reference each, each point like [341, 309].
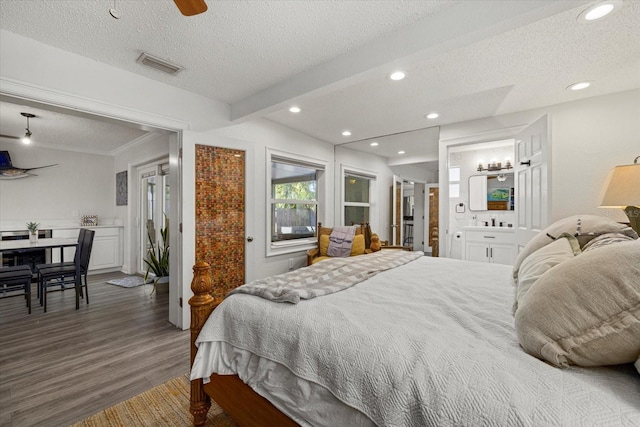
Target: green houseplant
[158, 257]
[33, 231]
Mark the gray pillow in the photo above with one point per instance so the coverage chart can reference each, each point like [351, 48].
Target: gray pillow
[586, 310]
[584, 227]
[606, 239]
[541, 261]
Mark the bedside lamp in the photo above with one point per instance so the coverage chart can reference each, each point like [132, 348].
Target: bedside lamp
[622, 190]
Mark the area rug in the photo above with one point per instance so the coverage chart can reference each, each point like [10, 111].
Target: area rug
[166, 405]
[128, 282]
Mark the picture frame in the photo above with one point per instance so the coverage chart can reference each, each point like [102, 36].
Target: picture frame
[89, 220]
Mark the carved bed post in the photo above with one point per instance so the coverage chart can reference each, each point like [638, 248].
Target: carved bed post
[202, 304]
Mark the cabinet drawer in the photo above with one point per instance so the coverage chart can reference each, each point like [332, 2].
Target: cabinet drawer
[489, 236]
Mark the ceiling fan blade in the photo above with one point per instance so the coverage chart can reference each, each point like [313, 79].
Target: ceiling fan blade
[10, 137]
[191, 7]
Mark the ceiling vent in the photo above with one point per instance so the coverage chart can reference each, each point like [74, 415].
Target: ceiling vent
[159, 64]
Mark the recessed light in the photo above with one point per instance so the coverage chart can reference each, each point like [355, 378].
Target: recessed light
[432, 116]
[397, 75]
[579, 86]
[346, 133]
[374, 144]
[599, 10]
[401, 152]
[295, 109]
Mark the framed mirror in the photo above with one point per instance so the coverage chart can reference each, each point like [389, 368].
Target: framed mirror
[491, 192]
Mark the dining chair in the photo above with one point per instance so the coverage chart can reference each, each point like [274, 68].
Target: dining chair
[67, 273]
[16, 278]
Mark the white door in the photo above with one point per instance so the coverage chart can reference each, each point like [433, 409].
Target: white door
[533, 181]
[396, 211]
[419, 217]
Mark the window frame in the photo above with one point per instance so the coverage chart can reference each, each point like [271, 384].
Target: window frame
[372, 176]
[305, 243]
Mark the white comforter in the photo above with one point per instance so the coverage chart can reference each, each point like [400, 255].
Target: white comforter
[428, 343]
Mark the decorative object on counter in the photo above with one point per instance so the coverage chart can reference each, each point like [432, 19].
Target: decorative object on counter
[622, 190]
[121, 188]
[89, 220]
[8, 171]
[33, 231]
[158, 257]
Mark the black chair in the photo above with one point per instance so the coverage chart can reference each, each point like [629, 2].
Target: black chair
[16, 278]
[68, 273]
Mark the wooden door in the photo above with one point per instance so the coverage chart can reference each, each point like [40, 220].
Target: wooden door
[433, 202]
[220, 215]
[533, 184]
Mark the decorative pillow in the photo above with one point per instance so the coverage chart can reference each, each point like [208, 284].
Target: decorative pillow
[357, 247]
[606, 239]
[541, 261]
[324, 244]
[584, 227]
[586, 310]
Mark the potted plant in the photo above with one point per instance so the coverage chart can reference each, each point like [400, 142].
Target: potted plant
[158, 258]
[33, 231]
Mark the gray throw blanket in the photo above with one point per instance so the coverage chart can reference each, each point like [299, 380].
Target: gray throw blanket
[340, 241]
[325, 277]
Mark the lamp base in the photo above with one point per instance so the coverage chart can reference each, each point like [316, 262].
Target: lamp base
[633, 213]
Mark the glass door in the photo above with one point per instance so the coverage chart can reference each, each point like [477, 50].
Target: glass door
[154, 209]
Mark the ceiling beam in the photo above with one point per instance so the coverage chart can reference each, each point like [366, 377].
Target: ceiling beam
[462, 23]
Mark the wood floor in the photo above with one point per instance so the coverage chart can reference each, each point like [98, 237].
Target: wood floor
[59, 367]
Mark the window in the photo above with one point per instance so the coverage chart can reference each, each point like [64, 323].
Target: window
[294, 201]
[454, 182]
[356, 199]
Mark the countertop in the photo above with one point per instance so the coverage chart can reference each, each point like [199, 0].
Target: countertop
[492, 229]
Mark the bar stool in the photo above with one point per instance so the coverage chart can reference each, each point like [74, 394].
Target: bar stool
[408, 234]
[16, 278]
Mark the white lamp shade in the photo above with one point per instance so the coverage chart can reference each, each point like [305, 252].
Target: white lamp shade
[622, 187]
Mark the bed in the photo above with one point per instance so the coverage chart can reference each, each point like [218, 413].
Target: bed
[430, 341]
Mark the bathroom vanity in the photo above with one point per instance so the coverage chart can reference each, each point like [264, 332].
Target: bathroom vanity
[489, 244]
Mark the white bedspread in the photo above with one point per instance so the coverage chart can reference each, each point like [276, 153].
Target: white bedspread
[429, 343]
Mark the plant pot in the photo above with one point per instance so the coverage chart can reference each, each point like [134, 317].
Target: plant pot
[33, 238]
[162, 284]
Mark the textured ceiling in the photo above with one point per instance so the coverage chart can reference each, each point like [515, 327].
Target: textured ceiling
[464, 59]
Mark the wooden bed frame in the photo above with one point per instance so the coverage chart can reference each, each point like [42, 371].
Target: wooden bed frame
[238, 400]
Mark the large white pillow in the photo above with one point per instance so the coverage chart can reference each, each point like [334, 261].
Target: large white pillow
[541, 261]
[586, 310]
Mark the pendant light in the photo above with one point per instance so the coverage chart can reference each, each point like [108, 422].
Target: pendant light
[27, 135]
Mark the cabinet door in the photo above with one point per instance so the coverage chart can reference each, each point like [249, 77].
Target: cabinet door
[477, 252]
[501, 254]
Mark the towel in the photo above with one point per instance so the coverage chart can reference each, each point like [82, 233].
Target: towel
[340, 241]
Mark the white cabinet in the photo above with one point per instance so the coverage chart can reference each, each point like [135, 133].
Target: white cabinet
[489, 245]
[106, 252]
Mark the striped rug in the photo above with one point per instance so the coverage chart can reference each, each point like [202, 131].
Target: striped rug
[164, 405]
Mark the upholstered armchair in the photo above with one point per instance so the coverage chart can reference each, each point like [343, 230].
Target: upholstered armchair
[360, 243]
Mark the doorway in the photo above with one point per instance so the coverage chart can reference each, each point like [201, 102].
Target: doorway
[154, 203]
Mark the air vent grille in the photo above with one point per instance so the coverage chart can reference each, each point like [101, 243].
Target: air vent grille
[159, 64]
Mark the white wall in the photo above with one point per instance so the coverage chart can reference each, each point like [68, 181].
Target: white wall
[588, 137]
[80, 184]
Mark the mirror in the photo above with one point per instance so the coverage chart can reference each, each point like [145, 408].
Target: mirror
[491, 192]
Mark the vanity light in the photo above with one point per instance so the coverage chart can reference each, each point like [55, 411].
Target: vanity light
[346, 133]
[495, 166]
[295, 109]
[374, 144]
[397, 75]
[432, 116]
[579, 86]
[599, 10]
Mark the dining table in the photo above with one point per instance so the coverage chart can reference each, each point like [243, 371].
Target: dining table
[23, 246]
